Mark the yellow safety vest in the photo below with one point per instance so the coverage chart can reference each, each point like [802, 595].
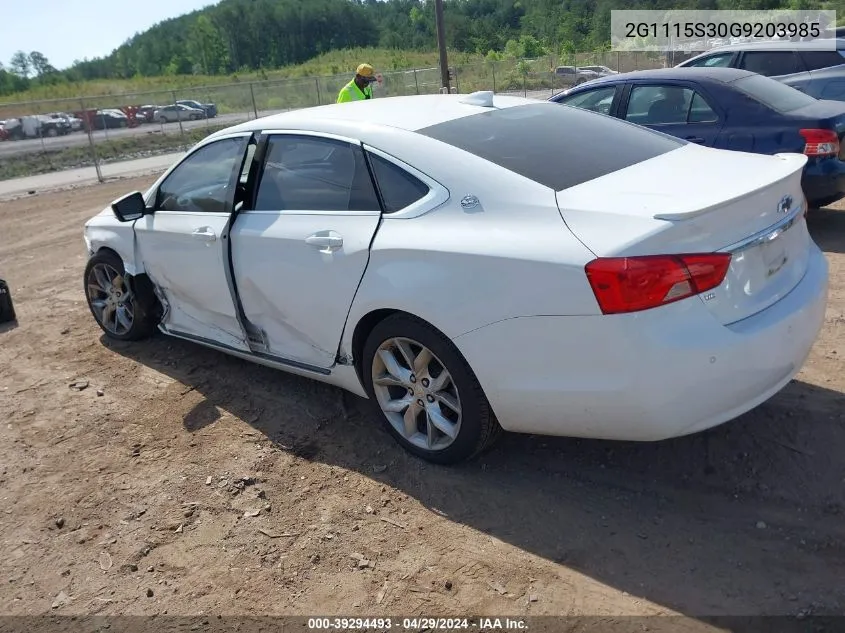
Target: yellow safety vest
[351, 92]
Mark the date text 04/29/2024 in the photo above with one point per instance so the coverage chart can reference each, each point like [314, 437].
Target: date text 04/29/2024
[482, 624]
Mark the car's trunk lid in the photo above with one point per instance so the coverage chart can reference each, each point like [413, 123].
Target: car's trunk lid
[698, 200]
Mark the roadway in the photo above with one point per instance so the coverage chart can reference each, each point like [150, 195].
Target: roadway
[79, 139]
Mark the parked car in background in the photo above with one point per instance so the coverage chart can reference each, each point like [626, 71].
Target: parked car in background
[109, 118]
[35, 126]
[806, 66]
[146, 113]
[75, 122]
[601, 71]
[210, 109]
[177, 112]
[654, 288]
[733, 109]
[571, 76]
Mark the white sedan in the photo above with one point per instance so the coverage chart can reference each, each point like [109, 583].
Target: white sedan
[477, 263]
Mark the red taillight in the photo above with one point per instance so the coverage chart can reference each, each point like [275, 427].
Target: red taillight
[630, 284]
[820, 142]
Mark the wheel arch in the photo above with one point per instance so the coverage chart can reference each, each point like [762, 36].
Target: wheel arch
[118, 238]
[138, 276]
[370, 320]
[362, 331]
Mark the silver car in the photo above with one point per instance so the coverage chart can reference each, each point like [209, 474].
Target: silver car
[572, 76]
[811, 67]
[178, 112]
[601, 71]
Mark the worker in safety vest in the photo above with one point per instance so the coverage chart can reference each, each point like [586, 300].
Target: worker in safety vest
[360, 87]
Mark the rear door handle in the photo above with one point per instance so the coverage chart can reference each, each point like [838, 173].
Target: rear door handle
[326, 241]
[204, 234]
[694, 139]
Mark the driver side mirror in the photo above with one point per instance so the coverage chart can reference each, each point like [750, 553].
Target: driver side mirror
[130, 207]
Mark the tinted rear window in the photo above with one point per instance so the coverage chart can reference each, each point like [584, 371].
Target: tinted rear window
[816, 60]
[772, 93]
[554, 145]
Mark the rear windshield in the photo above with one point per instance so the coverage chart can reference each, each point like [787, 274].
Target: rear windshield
[772, 93]
[555, 145]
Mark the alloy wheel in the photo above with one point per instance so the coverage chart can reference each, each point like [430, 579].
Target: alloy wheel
[111, 299]
[416, 393]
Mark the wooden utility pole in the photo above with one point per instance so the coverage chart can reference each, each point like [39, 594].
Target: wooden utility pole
[441, 45]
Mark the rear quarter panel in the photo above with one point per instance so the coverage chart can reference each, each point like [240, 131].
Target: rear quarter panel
[461, 269]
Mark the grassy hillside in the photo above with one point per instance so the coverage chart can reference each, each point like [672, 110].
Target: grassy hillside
[331, 63]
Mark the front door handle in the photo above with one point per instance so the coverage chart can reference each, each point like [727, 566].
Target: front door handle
[204, 234]
[326, 241]
[694, 139]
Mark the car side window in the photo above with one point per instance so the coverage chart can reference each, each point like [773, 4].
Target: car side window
[305, 173]
[655, 105]
[700, 111]
[200, 182]
[597, 100]
[398, 188]
[771, 63]
[722, 60]
[816, 60]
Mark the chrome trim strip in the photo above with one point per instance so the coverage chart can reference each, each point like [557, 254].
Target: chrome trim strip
[438, 194]
[314, 133]
[766, 235]
[269, 359]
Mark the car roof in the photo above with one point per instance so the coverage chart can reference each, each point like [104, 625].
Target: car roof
[816, 44]
[720, 74]
[409, 113]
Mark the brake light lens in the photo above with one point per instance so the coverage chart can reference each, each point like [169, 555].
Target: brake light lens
[820, 142]
[631, 284]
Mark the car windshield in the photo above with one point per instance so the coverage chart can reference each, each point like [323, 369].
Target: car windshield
[773, 94]
[555, 146]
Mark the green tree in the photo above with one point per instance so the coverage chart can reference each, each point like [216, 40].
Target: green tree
[40, 65]
[20, 64]
[206, 47]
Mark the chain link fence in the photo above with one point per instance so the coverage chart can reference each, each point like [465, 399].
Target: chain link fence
[48, 136]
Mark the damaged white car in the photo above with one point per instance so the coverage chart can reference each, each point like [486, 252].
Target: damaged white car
[477, 263]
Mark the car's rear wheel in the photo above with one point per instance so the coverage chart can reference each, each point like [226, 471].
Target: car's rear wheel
[124, 310]
[425, 391]
[52, 132]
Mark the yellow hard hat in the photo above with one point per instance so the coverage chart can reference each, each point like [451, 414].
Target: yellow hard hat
[365, 70]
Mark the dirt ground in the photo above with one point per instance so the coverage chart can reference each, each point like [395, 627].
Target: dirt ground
[135, 495]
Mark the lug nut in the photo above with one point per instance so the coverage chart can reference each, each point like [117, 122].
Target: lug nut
[413, 378]
[425, 382]
[420, 402]
[410, 392]
[430, 398]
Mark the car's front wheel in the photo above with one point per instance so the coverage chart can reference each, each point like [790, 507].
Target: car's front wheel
[426, 392]
[124, 310]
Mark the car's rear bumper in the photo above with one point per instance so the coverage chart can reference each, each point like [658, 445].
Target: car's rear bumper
[645, 376]
[824, 180]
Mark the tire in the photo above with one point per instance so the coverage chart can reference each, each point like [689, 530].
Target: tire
[52, 132]
[139, 321]
[475, 427]
[822, 202]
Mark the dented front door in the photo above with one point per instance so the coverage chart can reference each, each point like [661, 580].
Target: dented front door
[183, 244]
